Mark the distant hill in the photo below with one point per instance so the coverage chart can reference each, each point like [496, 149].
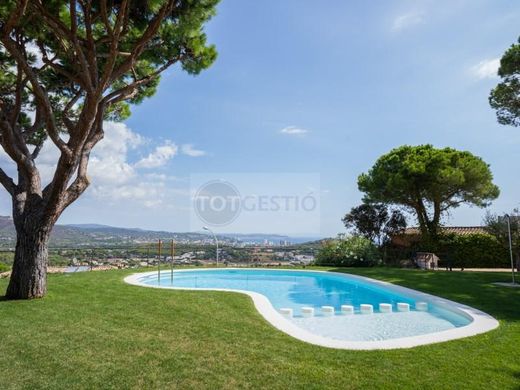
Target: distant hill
[94, 235]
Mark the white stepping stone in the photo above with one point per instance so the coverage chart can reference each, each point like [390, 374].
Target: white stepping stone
[327, 311]
[347, 309]
[307, 311]
[286, 312]
[421, 306]
[366, 309]
[385, 307]
[401, 306]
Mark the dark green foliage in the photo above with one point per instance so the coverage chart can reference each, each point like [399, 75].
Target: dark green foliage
[374, 221]
[355, 251]
[429, 182]
[477, 251]
[180, 39]
[497, 225]
[6, 258]
[468, 251]
[505, 97]
[58, 261]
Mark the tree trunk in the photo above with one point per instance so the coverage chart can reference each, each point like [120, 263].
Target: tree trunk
[29, 274]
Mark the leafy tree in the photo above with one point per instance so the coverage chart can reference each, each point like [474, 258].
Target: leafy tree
[497, 226]
[505, 97]
[428, 182]
[375, 221]
[65, 68]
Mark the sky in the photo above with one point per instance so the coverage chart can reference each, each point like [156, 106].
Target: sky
[301, 100]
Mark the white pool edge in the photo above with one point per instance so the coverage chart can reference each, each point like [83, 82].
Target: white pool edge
[480, 322]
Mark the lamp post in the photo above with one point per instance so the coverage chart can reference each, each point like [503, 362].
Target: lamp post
[510, 246]
[214, 236]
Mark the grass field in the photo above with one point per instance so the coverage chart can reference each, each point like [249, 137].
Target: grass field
[95, 331]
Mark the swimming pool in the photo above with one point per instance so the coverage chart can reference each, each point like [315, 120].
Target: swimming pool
[406, 317]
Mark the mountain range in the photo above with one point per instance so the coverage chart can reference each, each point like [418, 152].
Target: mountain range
[94, 235]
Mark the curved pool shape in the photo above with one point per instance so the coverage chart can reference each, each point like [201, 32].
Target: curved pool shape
[272, 290]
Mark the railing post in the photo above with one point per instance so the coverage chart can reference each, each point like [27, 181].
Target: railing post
[172, 254]
[159, 265]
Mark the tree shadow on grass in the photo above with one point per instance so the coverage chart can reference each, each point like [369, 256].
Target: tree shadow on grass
[475, 289]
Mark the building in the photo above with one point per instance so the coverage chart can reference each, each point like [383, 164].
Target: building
[413, 234]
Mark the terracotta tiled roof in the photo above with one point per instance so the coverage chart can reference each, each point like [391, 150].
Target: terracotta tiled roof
[460, 230]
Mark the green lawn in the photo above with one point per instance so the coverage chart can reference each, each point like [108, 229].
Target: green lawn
[95, 331]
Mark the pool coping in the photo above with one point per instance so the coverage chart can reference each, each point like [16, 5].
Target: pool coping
[480, 322]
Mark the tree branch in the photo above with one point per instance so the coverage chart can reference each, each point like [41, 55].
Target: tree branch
[39, 92]
[151, 30]
[58, 28]
[15, 16]
[127, 91]
[7, 182]
[114, 35]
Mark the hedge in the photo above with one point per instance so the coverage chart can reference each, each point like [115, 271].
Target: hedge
[469, 251]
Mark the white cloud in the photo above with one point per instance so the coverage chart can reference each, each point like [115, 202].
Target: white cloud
[407, 20]
[159, 157]
[108, 163]
[293, 130]
[114, 177]
[136, 191]
[486, 69]
[31, 48]
[189, 150]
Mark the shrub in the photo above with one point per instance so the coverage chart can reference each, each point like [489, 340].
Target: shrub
[470, 251]
[355, 251]
[4, 267]
[478, 251]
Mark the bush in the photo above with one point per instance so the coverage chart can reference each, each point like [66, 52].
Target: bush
[478, 251]
[470, 251]
[355, 251]
[4, 267]
[58, 261]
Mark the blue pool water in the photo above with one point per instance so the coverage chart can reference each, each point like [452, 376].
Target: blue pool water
[295, 289]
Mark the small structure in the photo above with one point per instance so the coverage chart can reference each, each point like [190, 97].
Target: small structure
[366, 309]
[327, 311]
[347, 309]
[426, 260]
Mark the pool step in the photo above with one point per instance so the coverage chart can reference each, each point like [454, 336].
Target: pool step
[366, 309]
[347, 309]
[329, 311]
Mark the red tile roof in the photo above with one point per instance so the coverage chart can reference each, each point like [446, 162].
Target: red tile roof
[460, 230]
